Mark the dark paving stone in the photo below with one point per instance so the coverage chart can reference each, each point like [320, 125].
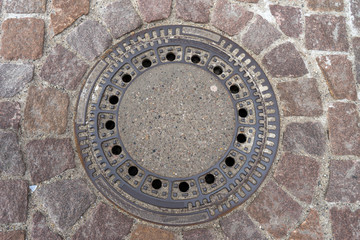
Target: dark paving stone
[334, 66]
[231, 227]
[355, 13]
[285, 61]
[344, 183]
[10, 115]
[345, 223]
[121, 17]
[48, 158]
[105, 223]
[154, 10]
[275, 210]
[299, 175]
[13, 235]
[25, 6]
[63, 68]
[260, 35]
[40, 230]
[194, 10]
[13, 201]
[308, 138]
[90, 39]
[66, 201]
[288, 19]
[22, 38]
[344, 131]
[230, 17]
[14, 77]
[199, 234]
[150, 233]
[326, 5]
[326, 32]
[11, 163]
[310, 229]
[300, 98]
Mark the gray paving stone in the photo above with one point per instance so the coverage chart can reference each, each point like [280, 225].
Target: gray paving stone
[13, 78]
[40, 230]
[356, 49]
[288, 19]
[11, 163]
[10, 115]
[25, 6]
[345, 223]
[154, 10]
[194, 10]
[355, 13]
[199, 234]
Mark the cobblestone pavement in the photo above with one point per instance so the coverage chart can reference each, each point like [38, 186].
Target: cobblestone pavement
[310, 51]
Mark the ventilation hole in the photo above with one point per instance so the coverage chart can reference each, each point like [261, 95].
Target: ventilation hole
[218, 70]
[229, 161]
[156, 184]
[243, 112]
[209, 178]
[146, 63]
[184, 186]
[241, 138]
[114, 99]
[195, 59]
[126, 78]
[133, 171]
[110, 125]
[170, 56]
[234, 89]
[116, 150]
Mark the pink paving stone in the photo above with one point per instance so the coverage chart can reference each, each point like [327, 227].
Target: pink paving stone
[25, 6]
[305, 138]
[355, 13]
[275, 210]
[13, 201]
[230, 17]
[48, 158]
[105, 222]
[299, 175]
[199, 234]
[151, 233]
[22, 38]
[46, 110]
[288, 19]
[11, 163]
[194, 10]
[10, 115]
[344, 129]
[326, 32]
[344, 183]
[345, 223]
[356, 48]
[260, 35]
[337, 70]
[153, 10]
[66, 12]
[63, 68]
[285, 61]
[300, 98]
[231, 227]
[13, 235]
[326, 5]
[310, 229]
[40, 229]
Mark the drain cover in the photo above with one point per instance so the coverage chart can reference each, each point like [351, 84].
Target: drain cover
[206, 77]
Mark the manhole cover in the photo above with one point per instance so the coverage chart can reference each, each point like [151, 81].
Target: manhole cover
[177, 125]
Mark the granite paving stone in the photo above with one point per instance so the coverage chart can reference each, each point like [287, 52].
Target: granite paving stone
[298, 174]
[230, 226]
[355, 13]
[197, 11]
[230, 17]
[300, 98]
[40, 229]
[260, 35]
[344, 183]
[121, 18]
[154, 10]
[63, 68]
[14, 77]
[310, 229]
[151, 233]
[345, 223]
[305, 138]
[326, 5]
[66, 12]
[326, 32]
[10, 115]
[344, 129]
[22, 38]
[275, 210]
[13, 235]
[337, 70]
[11, 163]
[48, 158]
[356, 49]
[13, 201]
[25, 6]
[285, 61]
[90, 39]
[46, 110]
[289, 19]
[199, 234]
[66, 201]
[106, 222]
